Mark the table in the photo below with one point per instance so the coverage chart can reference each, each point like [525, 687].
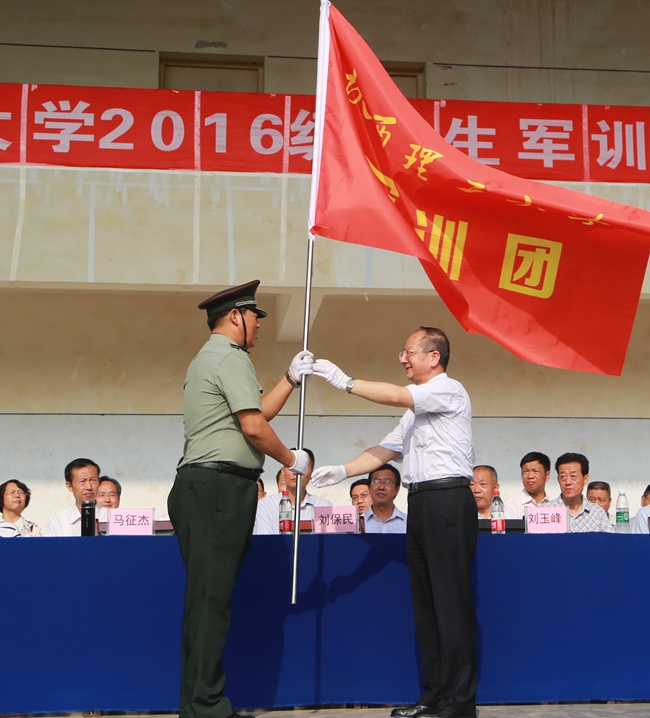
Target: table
[94, 623]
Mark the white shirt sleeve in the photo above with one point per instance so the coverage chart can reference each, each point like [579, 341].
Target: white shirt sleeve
[395, 440]
[267, 518]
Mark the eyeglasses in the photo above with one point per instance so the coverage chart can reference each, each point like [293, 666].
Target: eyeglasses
[17, 492]
[358, 497]
[382, 482]
[407, 353]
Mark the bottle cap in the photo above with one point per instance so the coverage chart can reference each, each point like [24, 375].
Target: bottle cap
[285, 492]
[496, 492]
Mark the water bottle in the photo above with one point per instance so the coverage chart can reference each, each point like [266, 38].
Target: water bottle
[622, 514]
[286, 514]
[498, 514]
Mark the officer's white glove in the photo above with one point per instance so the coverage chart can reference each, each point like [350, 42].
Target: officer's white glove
[328, 476]
[301, 365]
[332, 374]
[301, 462]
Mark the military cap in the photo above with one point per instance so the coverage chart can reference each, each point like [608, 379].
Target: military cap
[240, 297]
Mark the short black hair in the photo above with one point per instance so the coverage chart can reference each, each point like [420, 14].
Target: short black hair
[436, 340]
[600, 486]
[571, 458]
[359, 482]
[387, 467]
[491, 469]
[536, 456]
[261, 483]
[646, 493]
[20, 485]
[118, 486]
[78, 464]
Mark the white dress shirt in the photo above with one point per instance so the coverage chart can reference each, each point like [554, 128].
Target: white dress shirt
[515, 504]
[394, 524]
[267, 520]
[68, 521]
[8, 530]
[435, 437]
[640, 523]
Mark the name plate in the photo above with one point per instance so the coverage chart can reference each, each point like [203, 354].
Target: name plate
[130, 522]
[336, 519]
[546, 519]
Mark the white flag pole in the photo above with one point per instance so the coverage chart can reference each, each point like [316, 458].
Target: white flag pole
[321, 97]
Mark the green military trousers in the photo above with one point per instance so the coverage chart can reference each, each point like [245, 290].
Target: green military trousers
[213, 515]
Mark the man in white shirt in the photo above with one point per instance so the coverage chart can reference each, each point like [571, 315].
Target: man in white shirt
[82, 481]
[535, 473]
[360, 495]
[600, 492]
[434, 441]
[267, 519]
[484, 483]
[383, 517]
[109, 493]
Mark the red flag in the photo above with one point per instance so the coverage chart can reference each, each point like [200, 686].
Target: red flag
[551, 274]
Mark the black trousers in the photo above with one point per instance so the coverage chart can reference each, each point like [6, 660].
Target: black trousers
[213, 515]
[441, 537]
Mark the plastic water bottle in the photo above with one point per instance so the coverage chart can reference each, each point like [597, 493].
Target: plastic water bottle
[622, 514]
[286, 514]
[498, 514]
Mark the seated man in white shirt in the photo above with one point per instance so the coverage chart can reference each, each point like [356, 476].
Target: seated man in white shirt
[82, 481]
[573, 475]
[639, 525]
[483, 485]
[383, 517]
[600, 492]
[267, 519]
[360, 495]
[535, 473]
[109, 493]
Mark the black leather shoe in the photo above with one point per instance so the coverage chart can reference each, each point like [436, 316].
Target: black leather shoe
[414, 711]
[240, 715]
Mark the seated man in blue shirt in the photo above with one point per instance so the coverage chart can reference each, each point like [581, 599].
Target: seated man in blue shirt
[383, 517]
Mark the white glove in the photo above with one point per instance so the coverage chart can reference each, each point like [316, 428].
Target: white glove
[301, 462]
[332, 374]
[301, 365]
[328, 475]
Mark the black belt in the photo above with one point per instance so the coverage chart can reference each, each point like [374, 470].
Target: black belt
[223, 467]
[451, 482]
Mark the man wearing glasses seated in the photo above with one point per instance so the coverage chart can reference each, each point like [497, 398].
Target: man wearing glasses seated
[383, 517]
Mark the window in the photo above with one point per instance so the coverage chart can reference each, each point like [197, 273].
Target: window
[216, 73]
[409, 77]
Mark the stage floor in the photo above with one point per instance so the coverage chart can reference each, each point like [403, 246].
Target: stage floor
[573, 710]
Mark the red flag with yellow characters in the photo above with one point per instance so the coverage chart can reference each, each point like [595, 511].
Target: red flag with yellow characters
[551, 274]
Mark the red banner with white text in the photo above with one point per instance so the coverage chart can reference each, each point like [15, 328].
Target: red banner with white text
[240, 132]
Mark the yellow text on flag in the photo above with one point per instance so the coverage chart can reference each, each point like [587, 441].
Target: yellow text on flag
[445, 239]
[530, 265]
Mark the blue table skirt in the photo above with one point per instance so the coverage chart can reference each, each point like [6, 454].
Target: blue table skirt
[94, 624]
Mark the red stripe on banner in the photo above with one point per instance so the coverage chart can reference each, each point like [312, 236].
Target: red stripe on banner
[78, 126]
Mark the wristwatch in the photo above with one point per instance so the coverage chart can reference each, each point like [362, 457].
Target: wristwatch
[349, 384]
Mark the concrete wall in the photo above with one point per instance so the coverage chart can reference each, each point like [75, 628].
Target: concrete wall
[592, 51]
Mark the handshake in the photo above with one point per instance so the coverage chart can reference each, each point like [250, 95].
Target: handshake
[303, 364]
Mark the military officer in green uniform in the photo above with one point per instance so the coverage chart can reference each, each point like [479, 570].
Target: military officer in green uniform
[213, 501]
